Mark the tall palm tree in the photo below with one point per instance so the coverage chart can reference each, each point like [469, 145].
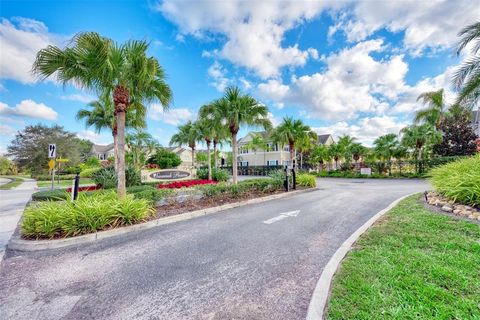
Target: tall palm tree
[188, 134]
[234, 110]
[122, 71]
[385, 146]
[206, 129]
[435, 108]
[290, 132]
[467, 76]
[100, 115]
[219, 132]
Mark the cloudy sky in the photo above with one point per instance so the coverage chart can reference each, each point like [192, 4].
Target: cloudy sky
[344, 67]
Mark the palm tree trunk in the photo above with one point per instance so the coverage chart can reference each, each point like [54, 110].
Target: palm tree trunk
[121, 184]
[234, 161]
[115, 149]
[301, 160]
[209, 157]
[215, 153]
[292, 154]
[193, 157]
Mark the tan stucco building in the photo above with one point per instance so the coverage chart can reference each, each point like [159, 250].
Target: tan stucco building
[273, 155]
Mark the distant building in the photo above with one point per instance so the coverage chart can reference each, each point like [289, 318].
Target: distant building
[273, 155]
[476, 121]
[185, 155]
[102, 152]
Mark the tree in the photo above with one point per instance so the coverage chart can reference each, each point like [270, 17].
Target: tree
[385, 147]
[336, 152]
[29, 147]
[7, 166]
[187, 135]
[458, 136]
[467, 77]
[345, 143]
[357, 150]
[165, 159]
[290, 132]
[420, 138]
[101, 115]
[257, 143]
[234, 110]
[320, 155]
[140, 145]
[207, 129]
[434, 112]
[305, 145]
[123, 71]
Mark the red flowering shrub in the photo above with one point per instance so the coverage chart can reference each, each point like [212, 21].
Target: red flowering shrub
[184, 184]
[152, 166]
[86, 188]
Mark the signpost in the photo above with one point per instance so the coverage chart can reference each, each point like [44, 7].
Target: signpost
[52, 154]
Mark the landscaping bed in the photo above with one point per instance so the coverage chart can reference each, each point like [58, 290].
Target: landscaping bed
[412, 264]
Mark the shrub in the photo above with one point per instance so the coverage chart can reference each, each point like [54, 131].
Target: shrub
[459, 180]
[306, 180]
[92, 162]
[184, 184]
[71, 170]
[53, 195]
[107, 177]
[165, 159]
[87, 214]
[46, 177]
[219, 175]
[88, 172]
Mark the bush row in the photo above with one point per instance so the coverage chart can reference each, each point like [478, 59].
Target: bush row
[217, 174]
[87, 214]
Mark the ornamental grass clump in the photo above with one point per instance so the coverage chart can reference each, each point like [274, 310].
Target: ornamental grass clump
[306, 180]
[459, 181]
[89, 213]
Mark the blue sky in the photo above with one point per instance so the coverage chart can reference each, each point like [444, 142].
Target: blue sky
[343, 67]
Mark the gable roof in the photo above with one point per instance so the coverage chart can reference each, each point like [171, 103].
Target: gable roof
[102, 148]
[322, 138]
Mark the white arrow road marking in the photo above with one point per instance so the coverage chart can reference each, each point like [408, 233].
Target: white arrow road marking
[282, 216]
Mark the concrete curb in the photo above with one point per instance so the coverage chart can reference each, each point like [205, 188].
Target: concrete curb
[319, 299]
[17, 243]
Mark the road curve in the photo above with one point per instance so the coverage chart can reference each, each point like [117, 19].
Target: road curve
[223, 266]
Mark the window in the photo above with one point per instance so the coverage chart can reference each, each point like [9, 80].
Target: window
[286, 148]
[286, 163]
[271, 147]
[272, 162]
[243, 150]
[243, 163]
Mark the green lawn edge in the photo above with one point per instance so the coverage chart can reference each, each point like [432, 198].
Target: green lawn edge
[414, 263]
[16, 181]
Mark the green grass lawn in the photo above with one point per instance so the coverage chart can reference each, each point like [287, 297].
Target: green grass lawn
[15, 182]
[412, 264]
[64, 183]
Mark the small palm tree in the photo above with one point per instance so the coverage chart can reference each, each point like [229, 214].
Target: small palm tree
[435, 110]
[305, 145]
[188, 134]
[336, 152]
[234, 110]
[419, 138]
[122, 71]
[257, 143]
[357, 150]
[100, 115]
[321, 155]
[345, 143]
[467, 76]
[140, 145]
[290, 132]
[207, 130]
[385, 146]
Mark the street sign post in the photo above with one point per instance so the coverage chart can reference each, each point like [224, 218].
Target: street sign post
[52, 154]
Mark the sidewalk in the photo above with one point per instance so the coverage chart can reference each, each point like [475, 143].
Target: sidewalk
[12, 203]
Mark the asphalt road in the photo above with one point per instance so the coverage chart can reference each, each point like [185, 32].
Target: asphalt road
[223, 266]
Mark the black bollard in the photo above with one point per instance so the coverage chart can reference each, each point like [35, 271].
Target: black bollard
[285, 183]
[75, 186]
[294, 178]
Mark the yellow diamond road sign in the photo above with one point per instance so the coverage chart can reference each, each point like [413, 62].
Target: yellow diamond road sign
[51, 164]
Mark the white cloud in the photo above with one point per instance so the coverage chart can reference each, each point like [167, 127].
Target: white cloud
[29, 108]
[426, 24]
[78, 97]
[254, 30]
[353, 82]
[20, 40]
[217, 73]
[172, 116]
[366, 130]
[6, 130]
[96, 138]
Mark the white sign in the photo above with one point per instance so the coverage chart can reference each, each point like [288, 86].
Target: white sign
[52, 150]
[367, 171]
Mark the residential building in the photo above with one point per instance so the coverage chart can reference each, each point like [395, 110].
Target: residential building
[273, 154]
[102, 152]
[476, 121]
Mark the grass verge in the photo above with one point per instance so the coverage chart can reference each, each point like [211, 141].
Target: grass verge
[412, 264]
[64, 183]
[15, 182]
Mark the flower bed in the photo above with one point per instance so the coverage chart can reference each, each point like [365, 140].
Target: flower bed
[86, 188]
[185, 184]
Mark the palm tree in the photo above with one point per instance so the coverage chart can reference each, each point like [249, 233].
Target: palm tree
[234, 110]
[385, 146]
[290, 132]
[305, 145]
[140, 144]
[188, 134]
[357, 150]
[336, 152]
[467, 76]
[345, 143]
[321, 155]
[419, 138]
[219, 132]
[123, 71]
[257, 143]
[207, 131]
[435, 110]
[101, 116]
